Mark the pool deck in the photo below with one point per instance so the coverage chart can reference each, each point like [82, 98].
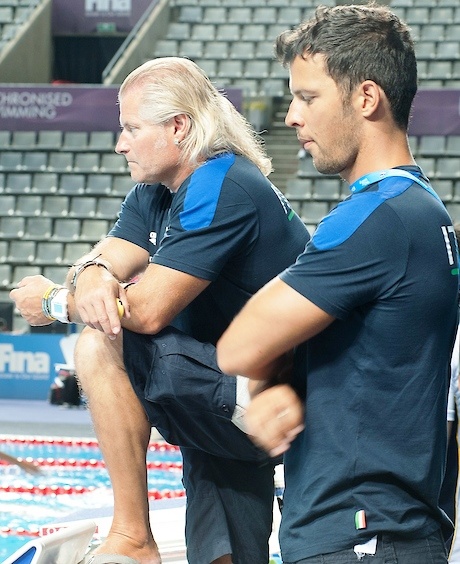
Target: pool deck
[41, 419]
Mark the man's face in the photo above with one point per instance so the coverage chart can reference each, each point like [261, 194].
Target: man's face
[326, 128]
[149, 149]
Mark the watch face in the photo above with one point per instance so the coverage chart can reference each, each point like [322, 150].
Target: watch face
[58, 305]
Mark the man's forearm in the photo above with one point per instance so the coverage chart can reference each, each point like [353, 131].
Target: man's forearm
[277, 372]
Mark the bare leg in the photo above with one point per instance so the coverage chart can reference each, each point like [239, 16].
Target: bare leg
[123, 432]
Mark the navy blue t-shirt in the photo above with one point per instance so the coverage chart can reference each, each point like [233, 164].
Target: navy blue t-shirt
[371, 458]
[226, 223]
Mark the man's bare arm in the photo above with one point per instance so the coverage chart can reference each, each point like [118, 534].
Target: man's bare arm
[100, 289]
[150, 304]
[273, 322]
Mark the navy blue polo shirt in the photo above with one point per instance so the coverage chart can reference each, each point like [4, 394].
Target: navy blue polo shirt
[226, 223]
[371, 458]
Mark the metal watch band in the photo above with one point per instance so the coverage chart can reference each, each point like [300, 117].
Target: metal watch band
[81, 267]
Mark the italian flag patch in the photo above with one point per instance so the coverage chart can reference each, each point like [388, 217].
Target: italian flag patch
[360, 519]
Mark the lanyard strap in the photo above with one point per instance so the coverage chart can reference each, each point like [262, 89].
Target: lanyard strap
[373, 177]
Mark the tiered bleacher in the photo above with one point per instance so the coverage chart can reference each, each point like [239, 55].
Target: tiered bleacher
[60, 191]
[233, 41]
[13, 14]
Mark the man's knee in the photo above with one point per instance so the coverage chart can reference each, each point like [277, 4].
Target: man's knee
[95, 353]
[86, 348]
[226, 559]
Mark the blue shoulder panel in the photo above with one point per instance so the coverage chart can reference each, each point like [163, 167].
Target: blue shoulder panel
[203, 192]
[337, 227]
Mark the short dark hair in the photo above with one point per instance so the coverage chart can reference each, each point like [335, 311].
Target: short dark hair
[359, 43]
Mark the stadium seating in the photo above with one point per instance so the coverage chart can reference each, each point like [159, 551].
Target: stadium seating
[61, 191]
[233, 41]
[434, 24]
[13, 14]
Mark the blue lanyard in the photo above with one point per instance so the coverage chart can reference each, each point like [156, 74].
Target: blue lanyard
[373, 177]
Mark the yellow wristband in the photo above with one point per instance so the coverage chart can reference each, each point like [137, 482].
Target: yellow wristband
[47, 294]
[47, 298]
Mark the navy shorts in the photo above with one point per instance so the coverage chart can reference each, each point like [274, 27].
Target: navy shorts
[229, 508]
[228, 481]
[185, 395]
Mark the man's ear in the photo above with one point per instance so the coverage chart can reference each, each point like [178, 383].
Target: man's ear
[370, 98]
[181, 124]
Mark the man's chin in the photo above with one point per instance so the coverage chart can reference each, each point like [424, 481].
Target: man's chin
[136, 175]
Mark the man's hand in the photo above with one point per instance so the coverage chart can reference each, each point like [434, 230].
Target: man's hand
[28, 297]
[274, 418]
[96, 300]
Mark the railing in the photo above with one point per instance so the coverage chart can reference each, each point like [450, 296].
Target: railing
[131, 36]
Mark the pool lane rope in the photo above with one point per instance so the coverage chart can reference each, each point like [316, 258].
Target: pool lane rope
[59, 490]
[160, 446]
[155, 446]
[72, 490]
[89, 463]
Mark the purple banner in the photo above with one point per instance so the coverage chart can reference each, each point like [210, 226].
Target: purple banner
[89, 16]
[67, 108]
[436, 112]
[95, 108]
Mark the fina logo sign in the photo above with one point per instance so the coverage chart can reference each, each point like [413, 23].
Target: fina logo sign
[31, 365]
[104, 7]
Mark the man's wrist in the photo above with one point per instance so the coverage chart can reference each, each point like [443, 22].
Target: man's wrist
[79, 268]
[54, 304]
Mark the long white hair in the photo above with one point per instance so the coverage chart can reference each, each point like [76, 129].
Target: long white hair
[170, 86]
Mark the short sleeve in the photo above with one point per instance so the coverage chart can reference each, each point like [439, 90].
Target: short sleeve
[142, 211]
[355, 270]
[212, 220]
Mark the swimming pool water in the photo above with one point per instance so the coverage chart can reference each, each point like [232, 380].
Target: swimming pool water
[70, 467]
